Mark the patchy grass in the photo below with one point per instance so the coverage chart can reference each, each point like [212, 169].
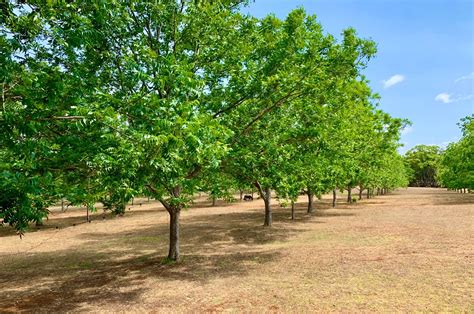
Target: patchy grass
[408, 251]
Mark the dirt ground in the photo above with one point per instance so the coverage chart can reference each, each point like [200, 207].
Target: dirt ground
[412, 250]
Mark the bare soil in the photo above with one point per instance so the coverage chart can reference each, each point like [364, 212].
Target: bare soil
[411, 250]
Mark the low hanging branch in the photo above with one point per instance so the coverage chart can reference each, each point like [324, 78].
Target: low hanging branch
[62, 118]
[67, 117]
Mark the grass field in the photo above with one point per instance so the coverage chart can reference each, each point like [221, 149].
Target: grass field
[412, 250]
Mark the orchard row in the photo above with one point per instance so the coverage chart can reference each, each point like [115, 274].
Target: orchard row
[105, 100]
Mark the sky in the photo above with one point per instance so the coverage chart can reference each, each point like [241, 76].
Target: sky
[424, 67]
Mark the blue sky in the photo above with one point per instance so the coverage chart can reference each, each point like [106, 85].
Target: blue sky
[424, 68]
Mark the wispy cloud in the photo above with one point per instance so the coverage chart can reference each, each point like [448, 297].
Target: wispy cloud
[465, 77]
[448, 98]
[393, 80]
[444, 98]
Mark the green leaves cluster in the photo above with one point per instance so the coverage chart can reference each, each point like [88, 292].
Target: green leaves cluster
[102, 101]
[423, 162]
[456, 170]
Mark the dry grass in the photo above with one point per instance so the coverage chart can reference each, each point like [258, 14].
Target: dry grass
[408, 251]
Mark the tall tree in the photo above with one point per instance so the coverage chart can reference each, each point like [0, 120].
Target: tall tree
[423, 162]
[457, 161]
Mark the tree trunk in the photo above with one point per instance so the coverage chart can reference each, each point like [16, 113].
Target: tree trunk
[266, 195]
[173, 253]
[310, 202]
[292, 210]
[378, 191]
[268, 209]
[334, 198]
[349, 194]
[213, 200]
[87, 213]
[360, 192]
[368, 193]
[241, 195]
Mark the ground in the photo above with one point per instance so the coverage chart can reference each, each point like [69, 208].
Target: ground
[411, 250]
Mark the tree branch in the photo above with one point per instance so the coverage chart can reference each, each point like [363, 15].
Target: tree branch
[267, 110]
[233, 106]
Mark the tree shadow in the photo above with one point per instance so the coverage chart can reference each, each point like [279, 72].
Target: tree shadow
[64, 281]
[454, 198]
[214, 246]
[112, 267]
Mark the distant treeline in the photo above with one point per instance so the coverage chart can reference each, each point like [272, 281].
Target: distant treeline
[453, 167]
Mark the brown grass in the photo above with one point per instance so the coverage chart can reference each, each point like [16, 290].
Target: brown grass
[411, 250]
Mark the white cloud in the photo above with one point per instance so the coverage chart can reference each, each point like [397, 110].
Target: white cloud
[465, 77]
[395, 79]
[406, 130]
[447, 98]
[444, 97]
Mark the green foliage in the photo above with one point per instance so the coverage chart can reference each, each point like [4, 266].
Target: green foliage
[423, 162]
[105, 101]
[457, 161]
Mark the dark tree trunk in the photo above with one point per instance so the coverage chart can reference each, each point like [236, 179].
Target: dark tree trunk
[349, 194]
[173, 253]
[292, 210]
[368, 193]
[241, 195]
[334, 198]
[174, 210]
[378, 191]
[266, 195]
[360, 192]
[87, 213]
[213, 200]
[310, 201]
[268, 209]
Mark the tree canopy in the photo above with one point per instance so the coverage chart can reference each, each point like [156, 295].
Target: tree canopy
[102, 101]
[457, 161]
[423, 161]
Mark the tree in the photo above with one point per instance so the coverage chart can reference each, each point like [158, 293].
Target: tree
[88, 84]
[295, 67]
[102, 101]
[456, 169]
[423, 162]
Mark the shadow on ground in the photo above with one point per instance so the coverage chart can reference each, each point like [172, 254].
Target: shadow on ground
[110, 267]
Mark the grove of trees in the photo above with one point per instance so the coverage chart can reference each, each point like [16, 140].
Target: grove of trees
[456, 170]
[102, 101]
[423, 162]
[453, 167]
